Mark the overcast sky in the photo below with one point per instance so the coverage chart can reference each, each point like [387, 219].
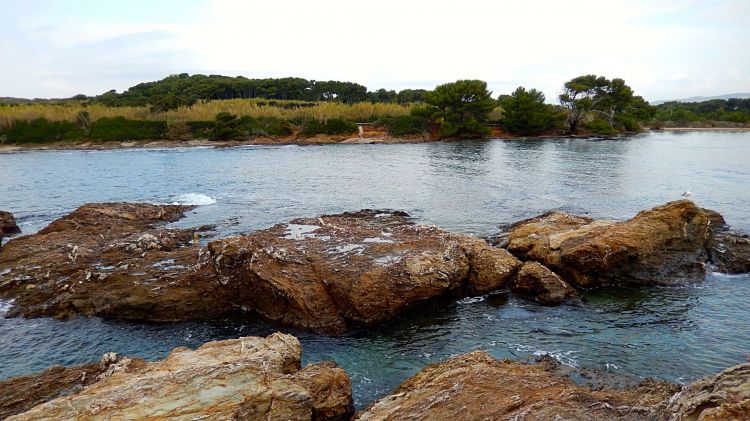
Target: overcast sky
[664, 49]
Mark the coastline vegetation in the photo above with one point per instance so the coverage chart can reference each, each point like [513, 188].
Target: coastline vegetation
[184, 107]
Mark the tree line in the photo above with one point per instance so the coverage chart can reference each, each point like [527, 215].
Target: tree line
[735, 110]
[184, 89]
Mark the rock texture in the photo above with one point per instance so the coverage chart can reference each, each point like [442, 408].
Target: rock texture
[537, 280]
[728, 250]
[327, 274]
[660, 245]
[338, 271]
[725, 396]
[245, 378]
[8, 225]
[25, 392]
[476, 386]
[109, 259]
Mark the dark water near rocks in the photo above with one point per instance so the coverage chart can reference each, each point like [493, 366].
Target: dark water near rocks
[676, 333]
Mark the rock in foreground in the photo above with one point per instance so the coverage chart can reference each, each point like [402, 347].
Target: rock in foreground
[245, 378]
[725, 396]
[660, 245]
[112, 260]
[335, 272]
[476, 386]
[25, 392]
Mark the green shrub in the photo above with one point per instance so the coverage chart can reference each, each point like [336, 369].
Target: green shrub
[627, 122]
[228, 126]
[272, 126]
[405, 125]
[200, 129]
[332, 126]
[119, 129]
[601, 127]
[41, 130]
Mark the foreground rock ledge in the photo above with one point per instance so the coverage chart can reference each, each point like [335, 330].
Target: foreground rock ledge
[668, 243]
[476, 386]
[245, 378]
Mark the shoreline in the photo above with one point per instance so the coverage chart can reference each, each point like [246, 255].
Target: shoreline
[318, 140]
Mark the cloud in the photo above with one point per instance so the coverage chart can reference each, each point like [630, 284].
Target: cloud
[392, 44]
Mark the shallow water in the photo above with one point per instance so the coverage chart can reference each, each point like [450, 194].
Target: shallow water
[675, 333]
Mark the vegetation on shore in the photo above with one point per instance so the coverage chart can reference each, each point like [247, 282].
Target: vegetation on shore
[182, 107]
[715, 112]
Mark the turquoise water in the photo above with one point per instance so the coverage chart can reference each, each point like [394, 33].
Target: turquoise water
[676, 333]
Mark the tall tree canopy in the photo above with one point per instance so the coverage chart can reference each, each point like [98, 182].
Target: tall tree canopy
[524, 112]
[461, 108]
[610, 100]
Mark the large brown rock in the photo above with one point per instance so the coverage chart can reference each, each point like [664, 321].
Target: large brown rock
[546, 286]
[725, 396]
[476, 386]
[8, 225]
[326, 274]
[109, 259]
[660, 245]
[338, 271]
[245, 378]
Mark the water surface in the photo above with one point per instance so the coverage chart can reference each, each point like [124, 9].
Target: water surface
[676, 333]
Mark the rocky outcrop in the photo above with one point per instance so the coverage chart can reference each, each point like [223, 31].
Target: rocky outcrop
[25, 392]
[661, 245]
[338, 271]
[543, 284]
[109, 259]
[476, 386]
[725, 396]
[8, 225]
[327, 274]
[245, 378]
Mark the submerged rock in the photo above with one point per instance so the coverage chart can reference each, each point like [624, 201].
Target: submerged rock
[661, 245]
[245, 378]
[8, 225]
[109, 259]
[476, 386]
[338, 271]
[537, 280]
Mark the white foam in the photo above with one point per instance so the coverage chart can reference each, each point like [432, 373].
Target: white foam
[193, 199]
[471, 300]
[5, 306]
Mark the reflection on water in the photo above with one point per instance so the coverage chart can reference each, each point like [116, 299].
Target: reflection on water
[676, 333]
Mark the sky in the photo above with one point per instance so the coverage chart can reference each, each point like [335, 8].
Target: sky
[664, 49]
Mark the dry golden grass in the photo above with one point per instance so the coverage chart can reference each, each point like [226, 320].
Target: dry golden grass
[290, 110]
